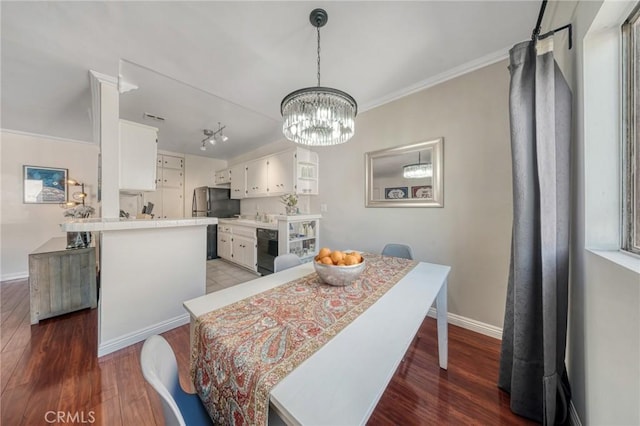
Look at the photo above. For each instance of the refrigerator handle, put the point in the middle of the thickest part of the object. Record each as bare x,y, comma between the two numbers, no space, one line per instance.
193,204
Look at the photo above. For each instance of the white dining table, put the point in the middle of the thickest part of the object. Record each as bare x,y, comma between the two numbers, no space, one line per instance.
342,382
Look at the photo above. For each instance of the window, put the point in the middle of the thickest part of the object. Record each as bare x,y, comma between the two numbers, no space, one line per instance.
631,142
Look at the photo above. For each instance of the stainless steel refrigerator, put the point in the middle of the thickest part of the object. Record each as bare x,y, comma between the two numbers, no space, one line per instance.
213,202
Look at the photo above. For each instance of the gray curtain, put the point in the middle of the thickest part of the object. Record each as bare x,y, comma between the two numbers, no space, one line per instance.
532,368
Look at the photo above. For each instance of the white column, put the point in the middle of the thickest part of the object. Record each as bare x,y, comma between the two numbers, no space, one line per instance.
105,113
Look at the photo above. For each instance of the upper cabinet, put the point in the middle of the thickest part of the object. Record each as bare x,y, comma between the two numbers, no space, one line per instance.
280,176
257,178
238,178
306,172
285,172
170,171
223,176
168,198
138,150
171,162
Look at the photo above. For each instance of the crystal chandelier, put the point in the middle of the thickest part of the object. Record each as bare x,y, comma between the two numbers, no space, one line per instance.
318,115
417,170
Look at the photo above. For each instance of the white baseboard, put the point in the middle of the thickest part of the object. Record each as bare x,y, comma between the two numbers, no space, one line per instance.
470,324
574,419
14,276
140,335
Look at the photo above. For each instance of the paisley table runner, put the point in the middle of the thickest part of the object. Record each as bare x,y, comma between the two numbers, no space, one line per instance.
244,349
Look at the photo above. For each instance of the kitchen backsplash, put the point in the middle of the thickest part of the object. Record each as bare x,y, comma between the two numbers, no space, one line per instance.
249,207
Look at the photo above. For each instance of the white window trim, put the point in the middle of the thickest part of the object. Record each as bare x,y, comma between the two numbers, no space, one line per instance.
602,127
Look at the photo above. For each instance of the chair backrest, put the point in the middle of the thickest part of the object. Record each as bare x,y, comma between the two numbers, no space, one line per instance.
398,250
285,261
160,369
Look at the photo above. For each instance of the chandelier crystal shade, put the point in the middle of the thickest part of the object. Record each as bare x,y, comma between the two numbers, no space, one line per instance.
318,115
417,170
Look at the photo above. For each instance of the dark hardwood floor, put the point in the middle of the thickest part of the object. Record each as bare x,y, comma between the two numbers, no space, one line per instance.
50,370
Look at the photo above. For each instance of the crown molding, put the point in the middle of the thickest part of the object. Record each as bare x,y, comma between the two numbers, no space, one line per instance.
465,68
41,136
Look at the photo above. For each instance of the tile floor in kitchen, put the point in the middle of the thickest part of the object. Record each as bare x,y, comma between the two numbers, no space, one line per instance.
222,274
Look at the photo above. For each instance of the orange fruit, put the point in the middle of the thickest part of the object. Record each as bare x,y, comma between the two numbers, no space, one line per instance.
350,260
337,256
326,260
324,251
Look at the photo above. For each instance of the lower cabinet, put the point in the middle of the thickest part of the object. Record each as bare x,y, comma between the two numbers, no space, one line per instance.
224,245
243,252
239,245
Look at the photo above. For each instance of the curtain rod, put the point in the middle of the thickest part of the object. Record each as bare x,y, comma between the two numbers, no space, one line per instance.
535,35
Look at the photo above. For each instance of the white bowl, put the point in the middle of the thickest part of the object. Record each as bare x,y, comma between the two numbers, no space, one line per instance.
339,275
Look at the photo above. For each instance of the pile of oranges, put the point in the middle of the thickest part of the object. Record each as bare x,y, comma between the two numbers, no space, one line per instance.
337,257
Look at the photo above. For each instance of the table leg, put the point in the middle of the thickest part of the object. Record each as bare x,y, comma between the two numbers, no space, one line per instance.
192,328
441,318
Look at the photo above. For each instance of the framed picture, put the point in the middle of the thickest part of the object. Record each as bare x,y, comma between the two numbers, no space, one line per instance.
45,185
396,193
422,191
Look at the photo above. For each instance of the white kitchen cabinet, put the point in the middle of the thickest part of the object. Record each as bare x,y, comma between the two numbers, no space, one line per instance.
257,178
172,203
280,173
306,172
138,150
239,245
168,198
277,174
171,162
172,178
244,251
299,235
223,176
238,178
224,244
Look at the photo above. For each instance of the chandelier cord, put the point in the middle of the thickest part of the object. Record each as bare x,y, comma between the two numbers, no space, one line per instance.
318,30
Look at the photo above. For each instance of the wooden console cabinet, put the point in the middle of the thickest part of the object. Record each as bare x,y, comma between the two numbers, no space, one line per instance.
61,280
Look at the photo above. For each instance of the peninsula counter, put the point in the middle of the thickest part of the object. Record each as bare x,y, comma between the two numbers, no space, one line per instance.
148,268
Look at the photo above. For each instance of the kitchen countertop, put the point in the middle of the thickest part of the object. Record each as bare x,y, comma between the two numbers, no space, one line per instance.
121,224
267,225
248,222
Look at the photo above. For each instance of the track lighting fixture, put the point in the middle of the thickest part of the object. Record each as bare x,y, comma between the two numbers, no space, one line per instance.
212,136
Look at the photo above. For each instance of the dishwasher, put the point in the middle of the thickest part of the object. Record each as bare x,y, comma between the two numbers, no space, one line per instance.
267,249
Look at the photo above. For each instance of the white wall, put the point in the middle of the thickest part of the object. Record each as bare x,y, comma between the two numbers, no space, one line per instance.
472,232
198,171
24,227
603,348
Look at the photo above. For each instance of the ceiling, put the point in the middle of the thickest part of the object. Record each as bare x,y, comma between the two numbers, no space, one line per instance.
200,63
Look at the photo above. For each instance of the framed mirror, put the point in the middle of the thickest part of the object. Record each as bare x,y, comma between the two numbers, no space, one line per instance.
405,176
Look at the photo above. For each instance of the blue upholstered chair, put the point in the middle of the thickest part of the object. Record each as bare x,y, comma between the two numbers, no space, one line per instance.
285,261
398,250
160,369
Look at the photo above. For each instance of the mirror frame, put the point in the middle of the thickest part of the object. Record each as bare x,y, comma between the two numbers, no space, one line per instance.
437,180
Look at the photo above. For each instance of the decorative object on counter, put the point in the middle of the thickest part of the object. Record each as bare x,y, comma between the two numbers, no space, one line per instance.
77,197
318,115
44,185
79,212
79,239
213,136
290,202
